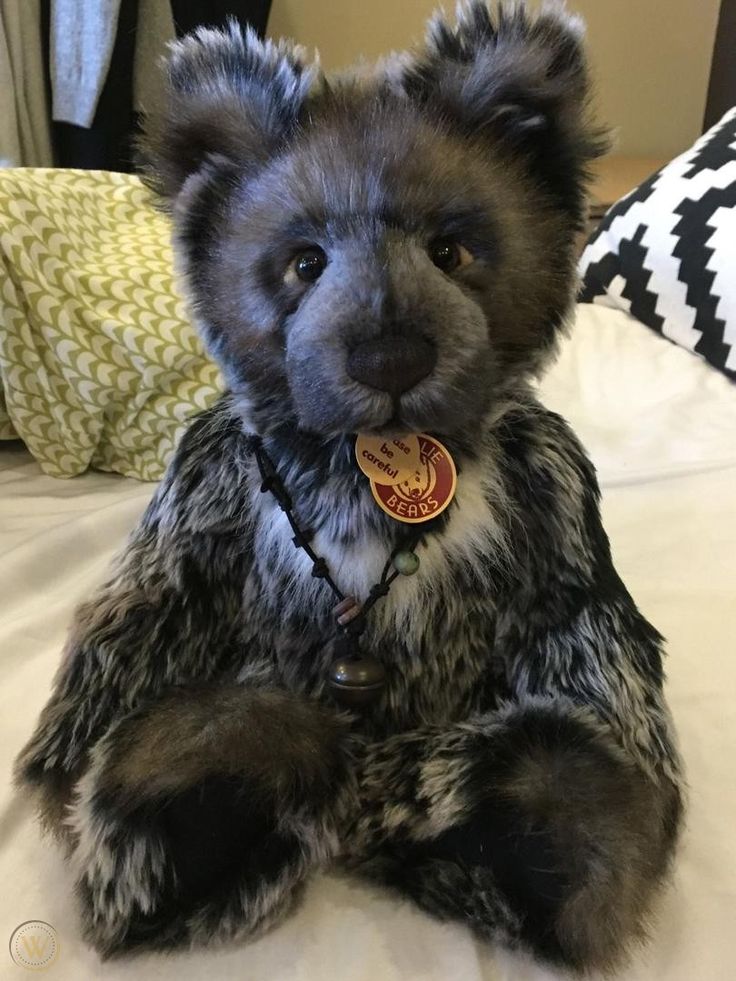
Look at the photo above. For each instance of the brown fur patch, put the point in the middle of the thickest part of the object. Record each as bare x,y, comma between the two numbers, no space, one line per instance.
282,745
614,829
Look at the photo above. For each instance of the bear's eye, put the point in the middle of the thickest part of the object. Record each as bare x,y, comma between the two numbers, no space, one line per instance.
448,255
308,265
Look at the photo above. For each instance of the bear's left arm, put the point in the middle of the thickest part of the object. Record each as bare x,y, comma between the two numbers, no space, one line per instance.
567,628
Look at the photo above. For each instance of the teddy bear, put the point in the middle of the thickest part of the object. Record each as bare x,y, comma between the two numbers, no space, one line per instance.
284,672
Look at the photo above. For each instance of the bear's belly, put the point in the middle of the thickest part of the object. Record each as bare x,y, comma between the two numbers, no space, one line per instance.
433,632
440,672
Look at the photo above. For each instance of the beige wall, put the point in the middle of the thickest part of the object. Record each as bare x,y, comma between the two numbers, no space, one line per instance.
651,58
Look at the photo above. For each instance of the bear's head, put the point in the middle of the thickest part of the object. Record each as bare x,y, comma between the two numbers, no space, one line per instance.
391,251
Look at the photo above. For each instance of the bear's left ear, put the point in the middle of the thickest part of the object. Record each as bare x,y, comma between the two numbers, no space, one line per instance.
519,79
227,94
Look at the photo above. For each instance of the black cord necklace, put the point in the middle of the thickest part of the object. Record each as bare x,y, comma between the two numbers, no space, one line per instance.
355,678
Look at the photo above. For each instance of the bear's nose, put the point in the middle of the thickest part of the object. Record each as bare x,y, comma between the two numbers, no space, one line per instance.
392,363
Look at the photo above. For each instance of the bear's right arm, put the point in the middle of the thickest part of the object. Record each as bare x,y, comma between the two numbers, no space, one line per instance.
168,615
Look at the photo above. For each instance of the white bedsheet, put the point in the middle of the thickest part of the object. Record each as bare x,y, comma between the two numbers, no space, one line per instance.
661,426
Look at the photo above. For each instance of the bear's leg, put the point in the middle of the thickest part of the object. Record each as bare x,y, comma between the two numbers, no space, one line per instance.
202,813
532,825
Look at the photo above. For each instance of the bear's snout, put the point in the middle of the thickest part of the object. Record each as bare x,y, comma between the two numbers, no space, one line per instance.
393,363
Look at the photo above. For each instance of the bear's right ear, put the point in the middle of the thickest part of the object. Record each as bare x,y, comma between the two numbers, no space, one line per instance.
227,94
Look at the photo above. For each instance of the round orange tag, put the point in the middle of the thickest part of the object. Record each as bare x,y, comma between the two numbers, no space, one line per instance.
391,461
427,492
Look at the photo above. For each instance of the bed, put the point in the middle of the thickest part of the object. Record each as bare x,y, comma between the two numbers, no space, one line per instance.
660,425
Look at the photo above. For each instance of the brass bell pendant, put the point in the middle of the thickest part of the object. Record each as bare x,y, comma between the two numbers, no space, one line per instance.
356,680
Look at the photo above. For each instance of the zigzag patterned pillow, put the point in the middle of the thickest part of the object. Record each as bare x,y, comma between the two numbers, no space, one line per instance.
667,252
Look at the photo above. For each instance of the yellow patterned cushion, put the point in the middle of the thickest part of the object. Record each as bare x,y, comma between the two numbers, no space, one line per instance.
99,364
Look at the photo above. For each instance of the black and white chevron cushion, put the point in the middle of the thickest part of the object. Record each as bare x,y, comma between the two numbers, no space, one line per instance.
667,251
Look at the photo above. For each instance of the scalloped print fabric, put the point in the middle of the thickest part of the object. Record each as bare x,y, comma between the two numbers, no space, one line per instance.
99,363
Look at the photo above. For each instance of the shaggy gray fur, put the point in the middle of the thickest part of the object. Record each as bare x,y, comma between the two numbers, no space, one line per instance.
518,771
